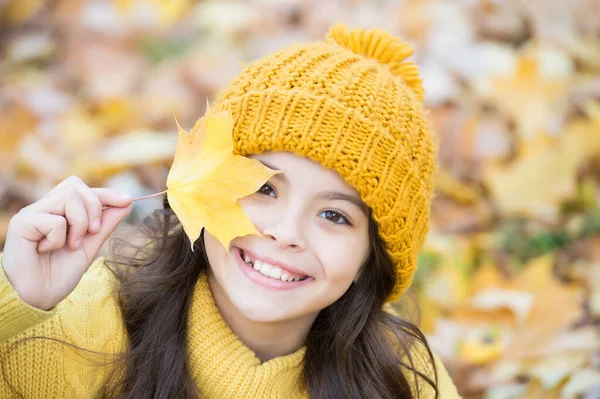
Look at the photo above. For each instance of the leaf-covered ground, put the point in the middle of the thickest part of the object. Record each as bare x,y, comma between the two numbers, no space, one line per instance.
509,280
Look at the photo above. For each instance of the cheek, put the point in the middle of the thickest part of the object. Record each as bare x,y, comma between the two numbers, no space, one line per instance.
341,258
215,251
256,211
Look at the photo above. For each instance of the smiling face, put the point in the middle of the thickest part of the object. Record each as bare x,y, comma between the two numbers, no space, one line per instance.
315,239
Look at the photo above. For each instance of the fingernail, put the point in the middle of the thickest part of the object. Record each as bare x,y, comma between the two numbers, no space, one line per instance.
78,243
125,197
96,224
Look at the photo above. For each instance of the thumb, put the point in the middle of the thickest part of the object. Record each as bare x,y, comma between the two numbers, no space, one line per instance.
108,223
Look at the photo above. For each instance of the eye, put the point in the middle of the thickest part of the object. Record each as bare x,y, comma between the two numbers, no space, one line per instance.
335,217
267,189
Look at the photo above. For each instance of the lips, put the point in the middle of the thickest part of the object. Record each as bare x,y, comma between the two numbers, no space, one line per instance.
267,281
264,259
271,270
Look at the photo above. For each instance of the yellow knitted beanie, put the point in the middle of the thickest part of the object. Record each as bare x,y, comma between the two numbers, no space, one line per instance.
354,104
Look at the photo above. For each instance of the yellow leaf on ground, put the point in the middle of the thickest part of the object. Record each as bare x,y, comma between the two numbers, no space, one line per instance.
488,276
117,114
552,370
556,306
519,302
79,132
16,122
530,98
166,11
541,307
581,383
482,345
545,174
122,152
207,179
16,12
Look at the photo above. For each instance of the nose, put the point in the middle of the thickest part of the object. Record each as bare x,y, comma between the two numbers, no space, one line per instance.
286,229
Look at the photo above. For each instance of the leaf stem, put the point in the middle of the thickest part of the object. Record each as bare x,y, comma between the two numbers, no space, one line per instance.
138,199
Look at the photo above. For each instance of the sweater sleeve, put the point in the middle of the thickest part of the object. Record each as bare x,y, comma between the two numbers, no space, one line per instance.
60,353
446,387
16,315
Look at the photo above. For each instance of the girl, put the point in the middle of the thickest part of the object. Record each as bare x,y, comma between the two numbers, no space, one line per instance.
301,311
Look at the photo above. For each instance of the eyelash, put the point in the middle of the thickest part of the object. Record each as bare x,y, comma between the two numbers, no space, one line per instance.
330,211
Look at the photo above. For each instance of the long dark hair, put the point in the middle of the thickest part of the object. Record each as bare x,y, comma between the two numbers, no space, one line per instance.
355,348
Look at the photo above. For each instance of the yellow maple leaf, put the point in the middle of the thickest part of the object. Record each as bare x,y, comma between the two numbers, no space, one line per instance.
207,178
530,98
555,306
16,12
166,11
545,173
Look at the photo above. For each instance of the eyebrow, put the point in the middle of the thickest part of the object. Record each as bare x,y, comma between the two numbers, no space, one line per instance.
337,196
326,195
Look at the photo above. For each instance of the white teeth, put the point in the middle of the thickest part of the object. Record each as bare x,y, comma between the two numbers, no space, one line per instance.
265,269
275,273
269,270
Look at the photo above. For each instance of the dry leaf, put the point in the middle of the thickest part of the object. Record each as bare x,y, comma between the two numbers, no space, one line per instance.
19,11
153,13
530,98
545,175
36,157
518,302
556,306
16,122
582,382
79,132
207,179
483,344
121,152
552,370
583,340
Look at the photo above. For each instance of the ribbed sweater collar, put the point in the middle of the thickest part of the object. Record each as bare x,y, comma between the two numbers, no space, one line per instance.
223,367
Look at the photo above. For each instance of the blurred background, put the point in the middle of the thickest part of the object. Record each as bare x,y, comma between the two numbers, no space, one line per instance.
509,280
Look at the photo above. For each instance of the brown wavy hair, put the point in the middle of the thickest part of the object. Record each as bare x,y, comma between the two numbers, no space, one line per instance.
355,348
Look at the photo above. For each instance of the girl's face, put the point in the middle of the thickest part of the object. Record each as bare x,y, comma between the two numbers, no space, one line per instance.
315,230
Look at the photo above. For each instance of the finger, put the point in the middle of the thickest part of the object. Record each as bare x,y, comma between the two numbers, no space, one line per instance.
66,203
112,197
53,202
110,219
35,227
91,202
92,199
69,181
95,198
77,219
50,231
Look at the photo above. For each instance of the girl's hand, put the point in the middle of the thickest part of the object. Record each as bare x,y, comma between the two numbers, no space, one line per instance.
52,242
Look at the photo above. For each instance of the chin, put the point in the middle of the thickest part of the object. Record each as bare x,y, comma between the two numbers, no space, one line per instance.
261,312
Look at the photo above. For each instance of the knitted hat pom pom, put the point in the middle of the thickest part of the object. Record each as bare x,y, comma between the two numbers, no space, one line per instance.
382,46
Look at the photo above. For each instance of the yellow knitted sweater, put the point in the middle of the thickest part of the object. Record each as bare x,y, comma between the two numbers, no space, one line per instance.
89,317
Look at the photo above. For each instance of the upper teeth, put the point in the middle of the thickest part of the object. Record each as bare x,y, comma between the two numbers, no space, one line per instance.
269,270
